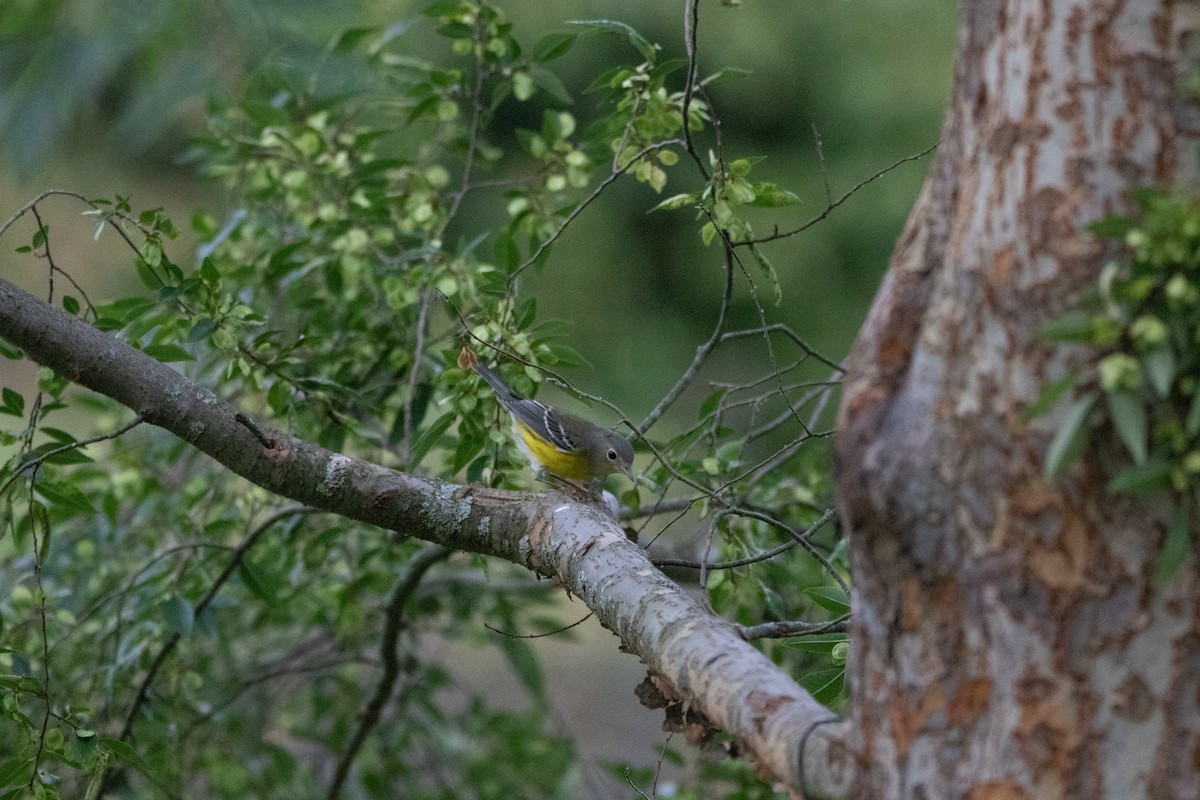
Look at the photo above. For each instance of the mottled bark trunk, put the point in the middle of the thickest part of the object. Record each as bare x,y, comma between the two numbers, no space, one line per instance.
1008,639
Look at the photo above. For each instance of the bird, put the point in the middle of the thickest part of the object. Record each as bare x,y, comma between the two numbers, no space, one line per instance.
557,444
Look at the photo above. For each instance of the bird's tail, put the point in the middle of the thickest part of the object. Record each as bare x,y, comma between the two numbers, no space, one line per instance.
468,360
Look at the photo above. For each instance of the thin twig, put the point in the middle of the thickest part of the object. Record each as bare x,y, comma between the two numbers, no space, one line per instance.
472,140
691,24
266,441
800,537
762,314
788,332
685,563
831,206
778,630
37,579
169,646
587,201
702,352
414,373
554,632
394,624
821,161
748,560
42,458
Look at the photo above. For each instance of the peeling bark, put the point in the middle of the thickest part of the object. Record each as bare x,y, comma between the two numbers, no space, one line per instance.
1008,640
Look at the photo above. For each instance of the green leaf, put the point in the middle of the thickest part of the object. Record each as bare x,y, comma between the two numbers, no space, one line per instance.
552,45
256,582
1050,394
524,663
726,74
212,276
1075,326
526,314
830,598
508,256
358,427
442,8
710,403
522,85
1193,417
475,469
468,448
620,29
201,330
1068,441
769,195
167,353
70,304
127,310
773,602
179,614
1129,418
768,270
825,685
822,643
429,437
64,495
1151,476
16,770
14,403
1175,546
10,351
73,456
551,84
130,756
351,38
675,201
1112,227
279,397
1159,366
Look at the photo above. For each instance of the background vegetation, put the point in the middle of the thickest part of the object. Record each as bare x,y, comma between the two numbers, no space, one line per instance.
280,146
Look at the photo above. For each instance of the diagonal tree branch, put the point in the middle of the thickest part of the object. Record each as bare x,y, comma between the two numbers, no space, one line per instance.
703,656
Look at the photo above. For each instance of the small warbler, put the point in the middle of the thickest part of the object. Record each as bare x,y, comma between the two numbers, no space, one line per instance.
557,443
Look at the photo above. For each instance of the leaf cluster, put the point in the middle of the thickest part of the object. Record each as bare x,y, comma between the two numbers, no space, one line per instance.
1143,319
185,615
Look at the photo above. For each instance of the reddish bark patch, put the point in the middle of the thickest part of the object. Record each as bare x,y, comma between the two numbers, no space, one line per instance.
908,720
1047,732
1135,699
762,703
970,701
997,790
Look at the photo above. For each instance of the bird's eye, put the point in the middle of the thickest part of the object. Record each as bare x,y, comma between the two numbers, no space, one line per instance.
612,455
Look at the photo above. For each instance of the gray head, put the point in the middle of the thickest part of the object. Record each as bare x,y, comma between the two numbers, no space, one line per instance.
614,455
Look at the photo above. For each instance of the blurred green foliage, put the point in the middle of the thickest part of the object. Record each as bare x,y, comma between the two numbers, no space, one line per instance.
1143,317
383,180
126,84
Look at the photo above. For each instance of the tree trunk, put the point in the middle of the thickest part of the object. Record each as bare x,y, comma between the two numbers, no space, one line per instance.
1009,641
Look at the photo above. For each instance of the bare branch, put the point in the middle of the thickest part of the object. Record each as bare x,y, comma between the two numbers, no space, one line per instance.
691,24
779,630
831,206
